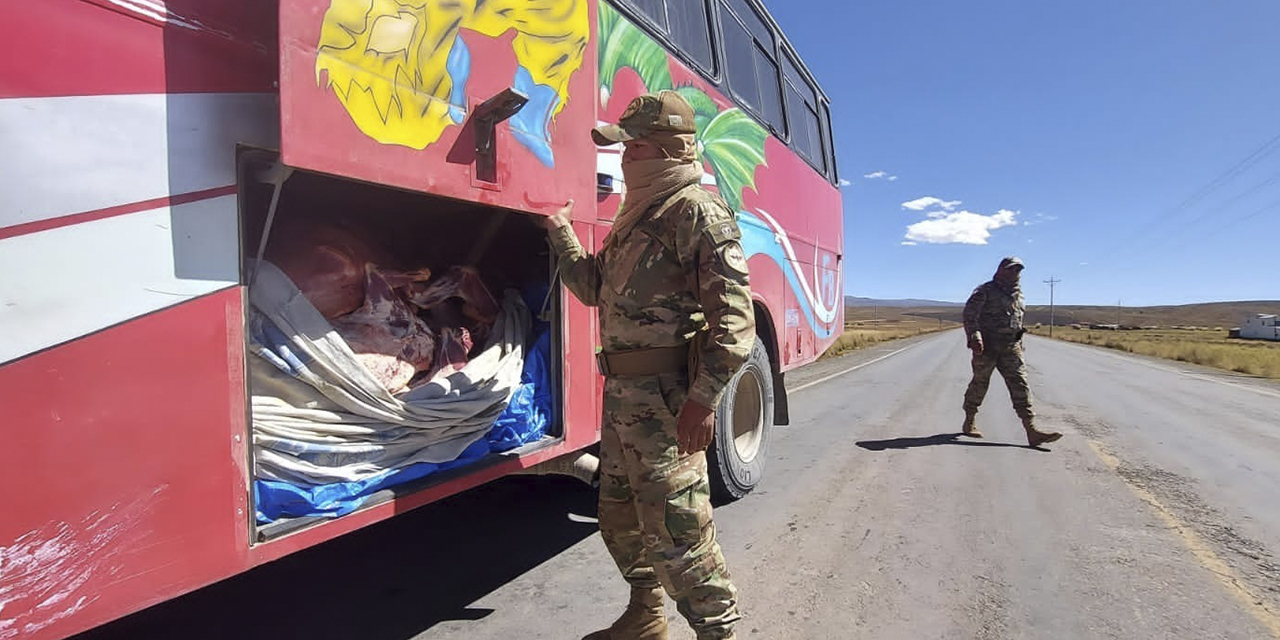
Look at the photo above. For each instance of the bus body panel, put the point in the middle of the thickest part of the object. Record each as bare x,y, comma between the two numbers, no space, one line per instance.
126,468
774,204
416,128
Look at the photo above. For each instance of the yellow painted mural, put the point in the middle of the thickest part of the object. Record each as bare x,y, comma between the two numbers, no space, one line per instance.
400,67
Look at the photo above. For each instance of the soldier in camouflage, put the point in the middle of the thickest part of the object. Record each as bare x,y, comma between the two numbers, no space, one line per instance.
993,326
676,324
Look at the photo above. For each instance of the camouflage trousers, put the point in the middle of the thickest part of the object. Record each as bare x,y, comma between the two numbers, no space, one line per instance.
655,503
1006,358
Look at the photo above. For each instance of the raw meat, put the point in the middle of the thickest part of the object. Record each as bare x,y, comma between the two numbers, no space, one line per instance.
451,353
465,284
386,334
376,309
326,262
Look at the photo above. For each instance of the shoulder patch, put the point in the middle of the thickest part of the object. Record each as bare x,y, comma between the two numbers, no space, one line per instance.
722,232
719,225
733,257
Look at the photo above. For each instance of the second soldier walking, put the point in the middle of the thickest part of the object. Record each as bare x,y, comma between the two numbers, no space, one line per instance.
993,327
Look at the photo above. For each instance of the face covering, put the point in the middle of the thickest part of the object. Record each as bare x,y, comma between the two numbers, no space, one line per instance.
651,182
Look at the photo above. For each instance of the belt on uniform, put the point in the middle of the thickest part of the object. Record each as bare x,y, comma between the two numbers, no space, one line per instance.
1006,335
644,362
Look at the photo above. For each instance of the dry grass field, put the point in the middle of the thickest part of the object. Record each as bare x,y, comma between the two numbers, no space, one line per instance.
865,326
1200,336
1209,314
1208,347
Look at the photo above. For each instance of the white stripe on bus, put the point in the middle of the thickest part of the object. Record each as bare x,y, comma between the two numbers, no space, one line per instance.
69,155
827,314
70,281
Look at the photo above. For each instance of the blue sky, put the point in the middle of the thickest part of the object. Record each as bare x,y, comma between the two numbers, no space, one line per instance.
1109,144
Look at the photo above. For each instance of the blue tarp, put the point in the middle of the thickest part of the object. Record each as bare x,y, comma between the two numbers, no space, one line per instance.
530,410
277,499
525,420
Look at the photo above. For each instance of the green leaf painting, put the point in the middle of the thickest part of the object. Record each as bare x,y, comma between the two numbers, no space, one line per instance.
623,45
704,108
733,144
730,141
608,19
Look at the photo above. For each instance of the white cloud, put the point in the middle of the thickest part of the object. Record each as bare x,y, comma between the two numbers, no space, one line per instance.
908,243
920,204
880,175
1084,264
1040,218
844,183
961,227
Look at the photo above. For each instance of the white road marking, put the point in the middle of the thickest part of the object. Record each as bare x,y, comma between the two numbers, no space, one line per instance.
850,369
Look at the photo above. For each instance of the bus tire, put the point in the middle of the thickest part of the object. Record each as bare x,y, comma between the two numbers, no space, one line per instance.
744,421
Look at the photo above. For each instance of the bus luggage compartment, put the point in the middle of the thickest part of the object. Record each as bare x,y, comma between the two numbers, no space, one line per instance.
394,340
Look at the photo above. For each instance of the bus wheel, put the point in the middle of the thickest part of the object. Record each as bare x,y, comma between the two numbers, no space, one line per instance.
743,423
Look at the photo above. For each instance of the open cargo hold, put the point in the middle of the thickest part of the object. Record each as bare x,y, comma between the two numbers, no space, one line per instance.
392,336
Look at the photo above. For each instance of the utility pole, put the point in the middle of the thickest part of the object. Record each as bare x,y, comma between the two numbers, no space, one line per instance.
1051,281
1118,313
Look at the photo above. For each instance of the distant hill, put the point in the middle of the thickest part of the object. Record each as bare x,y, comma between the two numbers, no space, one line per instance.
854,301
1208,314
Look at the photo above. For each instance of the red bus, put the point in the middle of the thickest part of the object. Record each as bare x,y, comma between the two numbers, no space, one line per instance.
173,165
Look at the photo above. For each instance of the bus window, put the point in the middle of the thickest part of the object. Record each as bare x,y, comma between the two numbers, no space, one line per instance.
684,25
802,117
752,22
739,48
691,32
752,72
654,10
770,94
831,144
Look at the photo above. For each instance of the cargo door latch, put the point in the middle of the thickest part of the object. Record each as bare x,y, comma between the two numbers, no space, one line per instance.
487,116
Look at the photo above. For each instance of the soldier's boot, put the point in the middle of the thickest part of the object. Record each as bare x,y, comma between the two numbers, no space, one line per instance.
970,429
1036,437
644,619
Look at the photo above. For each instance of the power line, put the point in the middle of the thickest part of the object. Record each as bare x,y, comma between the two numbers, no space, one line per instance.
1169,233
1269,147
1266,149
1270,207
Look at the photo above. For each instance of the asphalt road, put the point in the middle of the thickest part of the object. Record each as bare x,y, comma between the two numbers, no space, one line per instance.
1156,516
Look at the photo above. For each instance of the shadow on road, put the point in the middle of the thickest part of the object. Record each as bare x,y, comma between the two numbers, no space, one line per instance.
934,440
390,581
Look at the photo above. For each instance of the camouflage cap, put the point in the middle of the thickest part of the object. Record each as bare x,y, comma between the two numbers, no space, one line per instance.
1012,261
666,112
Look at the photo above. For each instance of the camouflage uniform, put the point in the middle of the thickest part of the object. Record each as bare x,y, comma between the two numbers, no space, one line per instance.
677,277
994,312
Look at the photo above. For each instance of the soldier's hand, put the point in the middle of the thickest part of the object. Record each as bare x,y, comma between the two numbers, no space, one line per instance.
560,218
976,345
695,427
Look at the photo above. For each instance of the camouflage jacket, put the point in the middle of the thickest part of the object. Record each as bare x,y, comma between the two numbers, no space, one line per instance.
994,312
679,274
